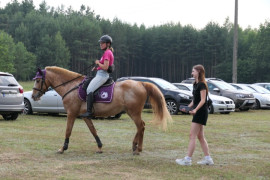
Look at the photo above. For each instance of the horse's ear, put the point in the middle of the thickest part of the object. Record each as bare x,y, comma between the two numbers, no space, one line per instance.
40,72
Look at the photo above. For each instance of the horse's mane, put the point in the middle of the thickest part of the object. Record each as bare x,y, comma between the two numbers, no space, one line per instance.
66,73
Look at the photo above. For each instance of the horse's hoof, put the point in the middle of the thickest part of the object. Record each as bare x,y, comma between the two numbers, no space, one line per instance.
60,151
99,152
136,153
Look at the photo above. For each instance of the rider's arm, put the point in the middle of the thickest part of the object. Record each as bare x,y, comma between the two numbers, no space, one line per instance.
104,66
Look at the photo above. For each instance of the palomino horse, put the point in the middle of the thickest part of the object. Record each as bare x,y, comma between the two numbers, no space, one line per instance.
128,96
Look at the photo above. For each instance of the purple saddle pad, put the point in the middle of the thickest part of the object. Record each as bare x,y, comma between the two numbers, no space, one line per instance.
103,94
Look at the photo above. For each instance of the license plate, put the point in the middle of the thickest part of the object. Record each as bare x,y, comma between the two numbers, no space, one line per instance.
229,106
251,101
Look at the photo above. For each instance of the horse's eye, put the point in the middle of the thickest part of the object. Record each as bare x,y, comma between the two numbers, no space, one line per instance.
37,80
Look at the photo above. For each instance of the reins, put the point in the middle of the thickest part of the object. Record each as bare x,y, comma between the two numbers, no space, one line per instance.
40,91
75,77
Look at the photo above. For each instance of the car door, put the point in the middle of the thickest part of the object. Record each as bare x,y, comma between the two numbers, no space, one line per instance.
49,102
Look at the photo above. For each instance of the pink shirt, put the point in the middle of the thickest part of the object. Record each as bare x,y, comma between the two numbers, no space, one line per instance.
108,55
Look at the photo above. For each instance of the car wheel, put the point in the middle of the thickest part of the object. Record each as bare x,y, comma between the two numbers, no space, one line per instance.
172,107
27,107
211,109
12,116
243,109
257,105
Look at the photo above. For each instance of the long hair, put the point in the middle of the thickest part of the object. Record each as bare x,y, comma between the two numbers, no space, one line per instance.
201,77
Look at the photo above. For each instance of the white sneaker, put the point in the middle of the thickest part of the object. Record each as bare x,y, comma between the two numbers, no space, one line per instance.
206,161
184,162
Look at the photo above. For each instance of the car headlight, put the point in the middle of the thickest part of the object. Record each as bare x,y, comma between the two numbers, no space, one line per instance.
240,95
184,96
218,102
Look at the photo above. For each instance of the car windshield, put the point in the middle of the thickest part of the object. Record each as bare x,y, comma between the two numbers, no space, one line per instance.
8,81
260,89
223,85
247,88
164,84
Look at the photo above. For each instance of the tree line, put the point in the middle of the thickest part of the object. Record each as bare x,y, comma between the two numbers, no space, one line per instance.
38,37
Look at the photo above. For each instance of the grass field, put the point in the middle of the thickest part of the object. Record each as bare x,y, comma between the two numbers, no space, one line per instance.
239,144
27,85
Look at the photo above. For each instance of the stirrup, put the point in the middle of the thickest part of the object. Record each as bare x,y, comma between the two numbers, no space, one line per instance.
87,115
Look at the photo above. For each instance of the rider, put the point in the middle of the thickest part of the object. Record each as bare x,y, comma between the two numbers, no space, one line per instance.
102,75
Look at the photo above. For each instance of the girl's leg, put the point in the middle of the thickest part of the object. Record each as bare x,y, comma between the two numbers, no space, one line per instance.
203,142
194,131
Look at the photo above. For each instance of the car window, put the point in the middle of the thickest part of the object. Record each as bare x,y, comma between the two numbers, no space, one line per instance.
164,84
211,86
267,87
8,81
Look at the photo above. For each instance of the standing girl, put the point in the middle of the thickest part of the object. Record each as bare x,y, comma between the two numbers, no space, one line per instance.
200,115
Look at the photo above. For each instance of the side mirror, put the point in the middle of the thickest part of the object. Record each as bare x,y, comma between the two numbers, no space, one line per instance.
216,90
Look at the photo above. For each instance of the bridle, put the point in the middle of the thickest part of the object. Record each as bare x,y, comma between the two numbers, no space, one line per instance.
41,91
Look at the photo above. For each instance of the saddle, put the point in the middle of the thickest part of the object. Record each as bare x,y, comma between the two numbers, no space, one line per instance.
103,94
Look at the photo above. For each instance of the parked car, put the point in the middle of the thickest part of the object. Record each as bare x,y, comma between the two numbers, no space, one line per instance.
51,102
265,85
11,97
262,96
220,104
173,96
243,100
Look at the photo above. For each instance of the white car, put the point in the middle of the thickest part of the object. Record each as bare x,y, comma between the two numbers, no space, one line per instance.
261,94
220,104
51,102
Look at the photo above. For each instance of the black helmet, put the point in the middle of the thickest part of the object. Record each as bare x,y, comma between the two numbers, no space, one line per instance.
105,39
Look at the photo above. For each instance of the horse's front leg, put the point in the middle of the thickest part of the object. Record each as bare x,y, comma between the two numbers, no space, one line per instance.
94,133
70,123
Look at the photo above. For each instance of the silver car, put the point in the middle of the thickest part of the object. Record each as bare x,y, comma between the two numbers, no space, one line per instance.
51,102
220,104
265,85
11,97
261,94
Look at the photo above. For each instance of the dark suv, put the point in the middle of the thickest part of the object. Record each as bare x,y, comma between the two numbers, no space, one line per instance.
243,100
173,96
11,97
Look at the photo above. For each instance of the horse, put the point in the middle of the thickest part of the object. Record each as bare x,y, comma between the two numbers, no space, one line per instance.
129,96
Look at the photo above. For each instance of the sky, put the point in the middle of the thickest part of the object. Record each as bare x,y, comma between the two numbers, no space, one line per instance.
251,13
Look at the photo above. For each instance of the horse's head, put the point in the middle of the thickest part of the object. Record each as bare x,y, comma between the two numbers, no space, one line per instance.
40,86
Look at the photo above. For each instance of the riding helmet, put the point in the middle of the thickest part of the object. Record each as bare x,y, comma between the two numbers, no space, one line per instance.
105,39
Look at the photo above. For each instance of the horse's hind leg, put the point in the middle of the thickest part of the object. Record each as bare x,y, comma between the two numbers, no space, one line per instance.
138,139
70,123
94,132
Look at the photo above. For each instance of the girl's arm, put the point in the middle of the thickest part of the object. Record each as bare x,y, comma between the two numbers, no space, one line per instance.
203,96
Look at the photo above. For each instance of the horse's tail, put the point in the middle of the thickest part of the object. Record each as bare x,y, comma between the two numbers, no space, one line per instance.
156,98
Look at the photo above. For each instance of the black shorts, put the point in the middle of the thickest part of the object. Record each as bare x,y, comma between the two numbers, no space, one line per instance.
201,116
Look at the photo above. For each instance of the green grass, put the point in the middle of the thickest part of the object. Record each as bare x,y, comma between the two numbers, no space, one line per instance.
27,85
239,144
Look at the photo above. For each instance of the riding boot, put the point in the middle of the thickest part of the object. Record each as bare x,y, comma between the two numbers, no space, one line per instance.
89,100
